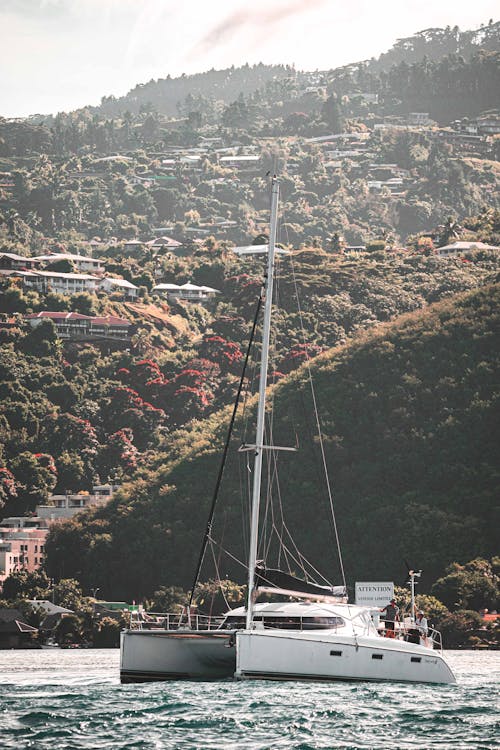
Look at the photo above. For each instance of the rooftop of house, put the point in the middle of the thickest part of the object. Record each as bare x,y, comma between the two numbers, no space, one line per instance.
164,242
108,320
120,282
22,258
59,275
54,257
465,246
49,607
188,287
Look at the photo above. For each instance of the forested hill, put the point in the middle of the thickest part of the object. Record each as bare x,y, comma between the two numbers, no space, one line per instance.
171,96
166,94
436,43
410,423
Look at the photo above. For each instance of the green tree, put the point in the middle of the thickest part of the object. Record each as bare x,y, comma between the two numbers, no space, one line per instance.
70,629
26,585
36,477
68,593
474,585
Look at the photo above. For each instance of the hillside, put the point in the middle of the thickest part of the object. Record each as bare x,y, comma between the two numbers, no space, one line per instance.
410,419
171,96
95,411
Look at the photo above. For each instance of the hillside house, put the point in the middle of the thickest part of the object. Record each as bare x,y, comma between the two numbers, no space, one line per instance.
241,161
61,283
459,248
81,262
71,325
489,124
163,244
127,289
187,292
71,503
10,262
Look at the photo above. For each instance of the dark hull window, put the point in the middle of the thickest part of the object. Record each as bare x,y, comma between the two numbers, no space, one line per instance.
287,623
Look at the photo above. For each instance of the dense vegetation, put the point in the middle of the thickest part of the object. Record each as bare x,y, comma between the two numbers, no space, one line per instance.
409,418
74,414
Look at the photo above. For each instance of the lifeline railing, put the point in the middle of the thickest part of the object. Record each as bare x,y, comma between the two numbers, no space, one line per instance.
409,630
172,621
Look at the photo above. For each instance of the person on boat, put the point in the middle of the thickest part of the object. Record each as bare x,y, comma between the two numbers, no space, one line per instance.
421,622
391,613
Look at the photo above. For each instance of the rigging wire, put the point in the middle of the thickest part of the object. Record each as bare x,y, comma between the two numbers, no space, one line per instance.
320,434
224,456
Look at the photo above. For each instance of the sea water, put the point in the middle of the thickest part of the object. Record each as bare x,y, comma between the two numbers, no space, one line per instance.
66,700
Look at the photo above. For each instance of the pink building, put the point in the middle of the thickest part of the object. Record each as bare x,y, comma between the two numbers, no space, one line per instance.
21,547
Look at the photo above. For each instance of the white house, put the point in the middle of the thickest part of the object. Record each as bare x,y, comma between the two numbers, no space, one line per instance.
189,292
62,283
110,285
457,248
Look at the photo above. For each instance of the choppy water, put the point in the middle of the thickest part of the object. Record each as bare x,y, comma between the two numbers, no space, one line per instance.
72,700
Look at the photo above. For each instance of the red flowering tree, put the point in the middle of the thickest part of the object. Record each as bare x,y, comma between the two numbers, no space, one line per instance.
189,403
127,409
118,456
225,353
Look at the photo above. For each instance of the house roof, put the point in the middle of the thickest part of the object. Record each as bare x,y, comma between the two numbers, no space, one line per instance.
20,274
57,315
468,246
164,242
120,282
16,626
241,158
54,275
54,257
188,287
23,258
49,607
109,320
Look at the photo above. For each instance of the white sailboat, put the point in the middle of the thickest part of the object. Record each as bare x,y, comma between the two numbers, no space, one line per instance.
316,636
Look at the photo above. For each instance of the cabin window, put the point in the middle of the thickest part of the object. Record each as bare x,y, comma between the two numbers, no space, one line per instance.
377,656
416,659
287,623
335,653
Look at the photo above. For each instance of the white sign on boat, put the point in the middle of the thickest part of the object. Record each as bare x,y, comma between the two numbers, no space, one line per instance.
374,593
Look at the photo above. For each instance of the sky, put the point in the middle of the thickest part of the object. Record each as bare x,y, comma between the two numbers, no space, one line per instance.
59,55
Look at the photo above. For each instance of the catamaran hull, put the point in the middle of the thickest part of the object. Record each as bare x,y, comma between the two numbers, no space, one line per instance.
151,655
279,656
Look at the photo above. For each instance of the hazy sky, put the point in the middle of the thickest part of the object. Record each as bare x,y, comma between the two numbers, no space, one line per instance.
62,54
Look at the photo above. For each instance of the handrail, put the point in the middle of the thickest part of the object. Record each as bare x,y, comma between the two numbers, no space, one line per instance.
431,639
172,621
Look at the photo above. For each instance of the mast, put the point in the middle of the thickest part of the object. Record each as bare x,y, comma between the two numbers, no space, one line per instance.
259,439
